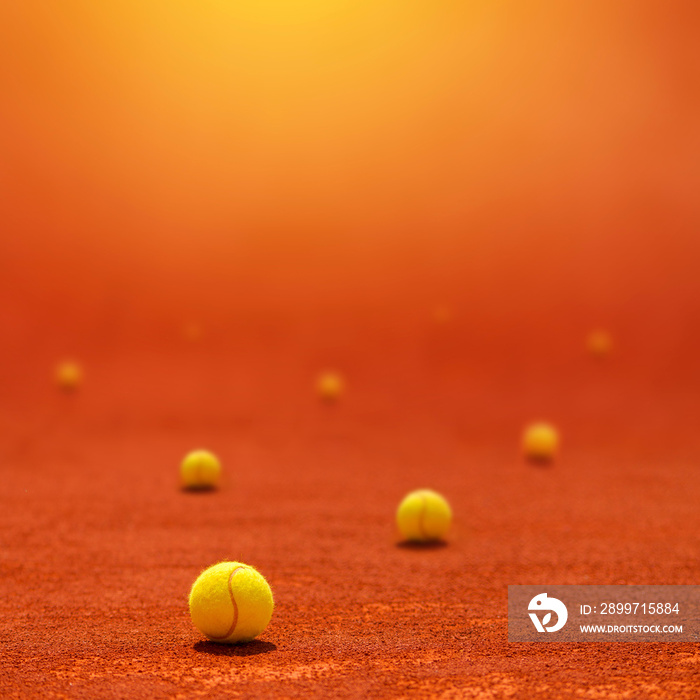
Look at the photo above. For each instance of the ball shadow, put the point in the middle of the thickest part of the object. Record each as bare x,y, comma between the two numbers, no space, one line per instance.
540,462
245,649
422,546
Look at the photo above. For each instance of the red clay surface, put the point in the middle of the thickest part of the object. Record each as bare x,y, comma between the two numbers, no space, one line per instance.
100,547
309,187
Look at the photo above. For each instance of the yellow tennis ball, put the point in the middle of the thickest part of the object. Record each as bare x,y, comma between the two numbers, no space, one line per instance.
69,376
330,386
231,602
540,442
200,470
424,516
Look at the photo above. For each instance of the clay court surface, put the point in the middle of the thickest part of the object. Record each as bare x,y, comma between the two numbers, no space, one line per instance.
100,547
309,181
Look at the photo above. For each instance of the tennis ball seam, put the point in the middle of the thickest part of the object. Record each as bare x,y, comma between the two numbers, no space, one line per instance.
421,516
231,629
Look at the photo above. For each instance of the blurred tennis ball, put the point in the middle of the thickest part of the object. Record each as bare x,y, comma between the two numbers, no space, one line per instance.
192,332
423,516
442,314
540,442
200,470
330,386
68,376
599,344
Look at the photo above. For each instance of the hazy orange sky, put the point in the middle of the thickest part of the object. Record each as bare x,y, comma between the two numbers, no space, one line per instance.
210,153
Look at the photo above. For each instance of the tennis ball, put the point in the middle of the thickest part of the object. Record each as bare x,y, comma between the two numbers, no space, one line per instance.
599,344
540,442
231,602
330,386
200,470
68,376
423,516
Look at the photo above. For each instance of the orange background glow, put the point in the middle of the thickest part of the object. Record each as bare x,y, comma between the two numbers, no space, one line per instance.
526,159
